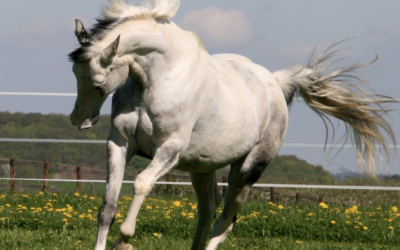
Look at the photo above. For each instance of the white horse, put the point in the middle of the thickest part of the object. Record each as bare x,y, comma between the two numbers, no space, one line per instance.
185,109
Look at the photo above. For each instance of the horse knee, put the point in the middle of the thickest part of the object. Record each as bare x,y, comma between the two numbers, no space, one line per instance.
143,184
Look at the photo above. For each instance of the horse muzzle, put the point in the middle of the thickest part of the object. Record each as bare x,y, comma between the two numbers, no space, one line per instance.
85,124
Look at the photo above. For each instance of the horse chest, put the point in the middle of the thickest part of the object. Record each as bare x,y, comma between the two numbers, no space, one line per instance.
151,130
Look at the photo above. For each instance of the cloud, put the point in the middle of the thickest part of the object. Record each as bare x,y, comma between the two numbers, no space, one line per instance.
219,28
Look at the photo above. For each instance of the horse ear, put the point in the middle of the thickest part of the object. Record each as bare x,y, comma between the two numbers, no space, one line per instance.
80,32
110,51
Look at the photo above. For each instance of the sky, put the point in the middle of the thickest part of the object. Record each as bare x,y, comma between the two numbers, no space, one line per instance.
36,36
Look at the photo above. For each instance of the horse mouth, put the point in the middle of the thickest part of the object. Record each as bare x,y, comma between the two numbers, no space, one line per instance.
86,124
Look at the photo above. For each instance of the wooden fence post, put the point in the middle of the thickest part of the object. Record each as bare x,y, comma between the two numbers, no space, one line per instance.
224,180
12,174
168,179
272,194
78,177
320,198
297,197
46,175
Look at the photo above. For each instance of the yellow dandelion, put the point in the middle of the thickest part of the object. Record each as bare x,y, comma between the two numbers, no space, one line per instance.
365,227
391,228
280,206
394,209
323,205
156,234
77,194
177,203
333,222
278,240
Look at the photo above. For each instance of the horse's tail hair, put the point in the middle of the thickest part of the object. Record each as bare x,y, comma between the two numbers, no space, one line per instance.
335,91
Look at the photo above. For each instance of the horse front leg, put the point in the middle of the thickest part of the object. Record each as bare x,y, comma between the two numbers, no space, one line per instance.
116,162
165,158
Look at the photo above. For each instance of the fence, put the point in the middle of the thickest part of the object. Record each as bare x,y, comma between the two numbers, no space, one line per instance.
268,188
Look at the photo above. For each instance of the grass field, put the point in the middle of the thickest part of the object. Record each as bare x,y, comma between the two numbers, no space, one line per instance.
69,221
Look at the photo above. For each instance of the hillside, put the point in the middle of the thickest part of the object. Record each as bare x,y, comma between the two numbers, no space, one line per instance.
284,169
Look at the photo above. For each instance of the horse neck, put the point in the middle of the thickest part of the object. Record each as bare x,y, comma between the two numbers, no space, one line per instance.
165,58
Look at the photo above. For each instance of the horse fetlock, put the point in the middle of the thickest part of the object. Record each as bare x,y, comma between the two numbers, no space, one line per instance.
126,231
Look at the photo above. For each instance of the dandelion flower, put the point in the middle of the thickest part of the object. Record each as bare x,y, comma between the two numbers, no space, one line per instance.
323,205
394,209
391,228
333,222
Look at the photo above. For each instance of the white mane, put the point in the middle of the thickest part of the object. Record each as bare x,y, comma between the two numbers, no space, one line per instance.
157,9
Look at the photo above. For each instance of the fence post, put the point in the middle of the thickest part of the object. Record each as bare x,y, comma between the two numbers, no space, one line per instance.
12,174
320,198
297,197
46,175
272,194
78,177
224,180
168,179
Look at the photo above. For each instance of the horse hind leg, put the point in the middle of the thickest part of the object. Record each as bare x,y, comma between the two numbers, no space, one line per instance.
242,176
208,200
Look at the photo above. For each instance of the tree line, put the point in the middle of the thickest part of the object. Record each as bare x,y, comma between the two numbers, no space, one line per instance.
284,168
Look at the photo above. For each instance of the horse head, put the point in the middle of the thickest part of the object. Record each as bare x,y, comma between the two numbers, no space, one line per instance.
99,71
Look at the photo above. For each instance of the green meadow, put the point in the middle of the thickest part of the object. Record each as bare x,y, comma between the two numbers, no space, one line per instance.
38,220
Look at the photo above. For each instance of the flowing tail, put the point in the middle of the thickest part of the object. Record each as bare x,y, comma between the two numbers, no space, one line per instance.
334,91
